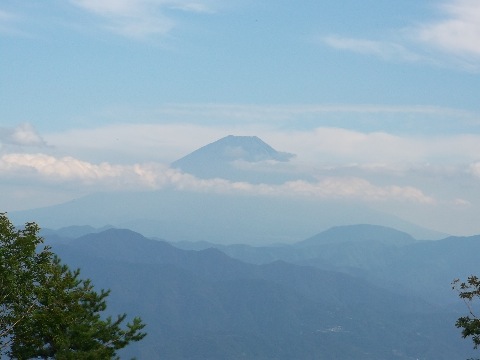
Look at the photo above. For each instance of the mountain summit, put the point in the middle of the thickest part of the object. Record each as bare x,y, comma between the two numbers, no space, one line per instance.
232,148
224,157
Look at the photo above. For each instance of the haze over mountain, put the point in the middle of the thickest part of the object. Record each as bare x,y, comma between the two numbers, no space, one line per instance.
233,214
358,233
319,256
206,305
229,149
383,111
236,158
381,255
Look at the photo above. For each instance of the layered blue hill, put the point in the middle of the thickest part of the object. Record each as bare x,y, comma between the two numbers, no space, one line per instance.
206,305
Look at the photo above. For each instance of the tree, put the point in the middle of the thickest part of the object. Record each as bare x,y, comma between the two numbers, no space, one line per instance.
22,268
58,315
470,324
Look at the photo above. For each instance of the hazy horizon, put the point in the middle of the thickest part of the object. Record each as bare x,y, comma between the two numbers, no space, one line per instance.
378,102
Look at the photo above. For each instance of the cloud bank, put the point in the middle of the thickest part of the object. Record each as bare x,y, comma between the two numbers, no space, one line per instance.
103,176
409,174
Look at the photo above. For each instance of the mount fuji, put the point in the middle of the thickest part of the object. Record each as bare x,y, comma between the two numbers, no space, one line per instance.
177,214
236,158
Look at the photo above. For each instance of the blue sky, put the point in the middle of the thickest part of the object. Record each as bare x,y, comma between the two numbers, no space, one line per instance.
378,98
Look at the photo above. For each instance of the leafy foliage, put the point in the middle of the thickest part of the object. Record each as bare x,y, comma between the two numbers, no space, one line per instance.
470,324
22,269
47,311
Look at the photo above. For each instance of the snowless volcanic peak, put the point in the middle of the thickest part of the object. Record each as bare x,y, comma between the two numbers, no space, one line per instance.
233,148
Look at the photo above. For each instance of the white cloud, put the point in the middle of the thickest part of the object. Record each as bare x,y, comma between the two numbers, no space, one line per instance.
364,166
22,135
356,188
140,18
458,32
336,146
475,169
58,169
106,176
135,142
451,41
258,118
173,130
322,146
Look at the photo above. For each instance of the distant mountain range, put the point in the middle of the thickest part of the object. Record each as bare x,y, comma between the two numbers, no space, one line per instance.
321,282
381,255
203,304
178,215
219,218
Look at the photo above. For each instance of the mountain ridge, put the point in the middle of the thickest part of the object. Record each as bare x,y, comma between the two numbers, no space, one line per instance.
204,304
359,233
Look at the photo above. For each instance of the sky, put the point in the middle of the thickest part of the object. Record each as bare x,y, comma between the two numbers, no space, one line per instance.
379,100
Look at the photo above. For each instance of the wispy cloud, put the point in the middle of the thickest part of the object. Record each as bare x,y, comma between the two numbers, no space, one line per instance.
6,17
255,113
369,117
322,145
356,188
458,32
22,135
385,50
451,41
140,18
8,23
337,146
475,169
135,142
